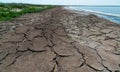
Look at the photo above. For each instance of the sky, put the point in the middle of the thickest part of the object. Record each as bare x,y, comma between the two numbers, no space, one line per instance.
66,2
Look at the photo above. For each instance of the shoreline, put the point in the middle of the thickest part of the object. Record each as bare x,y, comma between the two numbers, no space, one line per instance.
98,13
59,40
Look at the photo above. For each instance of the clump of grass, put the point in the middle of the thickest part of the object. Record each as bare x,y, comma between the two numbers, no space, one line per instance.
10,11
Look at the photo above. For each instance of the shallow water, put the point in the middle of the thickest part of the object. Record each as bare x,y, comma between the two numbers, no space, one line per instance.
109,12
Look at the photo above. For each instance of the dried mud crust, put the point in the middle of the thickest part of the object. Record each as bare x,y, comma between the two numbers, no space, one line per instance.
59,40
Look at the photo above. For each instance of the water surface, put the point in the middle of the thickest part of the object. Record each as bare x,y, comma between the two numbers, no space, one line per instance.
111,13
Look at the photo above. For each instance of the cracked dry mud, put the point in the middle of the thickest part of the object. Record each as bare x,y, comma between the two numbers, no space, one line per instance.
59,40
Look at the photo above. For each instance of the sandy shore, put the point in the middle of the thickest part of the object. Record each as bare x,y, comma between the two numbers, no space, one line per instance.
59,40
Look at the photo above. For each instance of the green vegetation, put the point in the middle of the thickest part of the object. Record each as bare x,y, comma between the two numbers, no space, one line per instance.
13,10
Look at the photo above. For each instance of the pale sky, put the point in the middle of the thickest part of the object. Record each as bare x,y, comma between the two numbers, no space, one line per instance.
66,2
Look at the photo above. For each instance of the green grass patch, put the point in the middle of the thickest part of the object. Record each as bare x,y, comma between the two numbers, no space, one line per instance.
10,11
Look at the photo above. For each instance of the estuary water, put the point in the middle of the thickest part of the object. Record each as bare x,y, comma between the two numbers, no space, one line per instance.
111,13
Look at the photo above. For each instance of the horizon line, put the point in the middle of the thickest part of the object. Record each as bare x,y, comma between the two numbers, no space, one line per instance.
56,4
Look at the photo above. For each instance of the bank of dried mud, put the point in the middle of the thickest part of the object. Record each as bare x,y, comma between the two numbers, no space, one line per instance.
59,40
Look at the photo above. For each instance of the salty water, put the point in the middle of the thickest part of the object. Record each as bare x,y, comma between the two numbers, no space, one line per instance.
109,12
